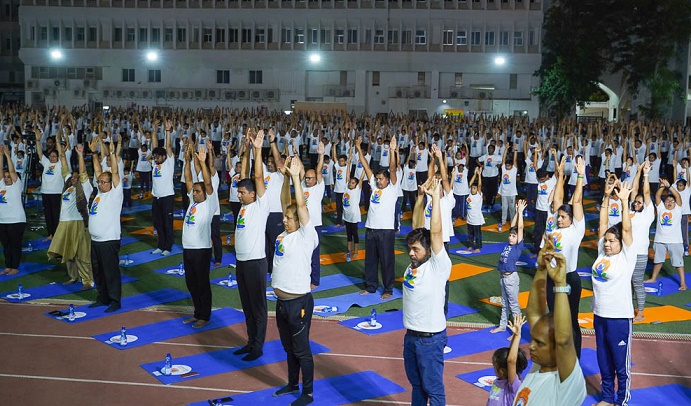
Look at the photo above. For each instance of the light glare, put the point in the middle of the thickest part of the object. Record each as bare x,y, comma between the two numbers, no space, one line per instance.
151,56
56,54
499,60
314,58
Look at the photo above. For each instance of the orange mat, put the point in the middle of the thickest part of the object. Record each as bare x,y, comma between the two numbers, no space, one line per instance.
460,271
589,244
126,218
459,222
663,314
340,257
523,298
177,225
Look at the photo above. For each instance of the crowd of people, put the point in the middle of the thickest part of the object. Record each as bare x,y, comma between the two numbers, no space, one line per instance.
386,165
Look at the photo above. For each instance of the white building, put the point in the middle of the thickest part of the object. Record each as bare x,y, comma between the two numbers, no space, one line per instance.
375,56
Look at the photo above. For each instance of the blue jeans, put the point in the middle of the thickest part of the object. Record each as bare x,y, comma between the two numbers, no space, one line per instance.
423,358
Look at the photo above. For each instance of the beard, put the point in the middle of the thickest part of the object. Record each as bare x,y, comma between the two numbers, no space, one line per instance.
415,263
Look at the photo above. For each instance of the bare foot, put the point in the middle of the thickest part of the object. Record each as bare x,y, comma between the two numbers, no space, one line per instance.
603,403
12,272
69,282
364,292
497,330
87,286
49,238
385,296
4,271
639,317
217,264
682,287
649,281
477,251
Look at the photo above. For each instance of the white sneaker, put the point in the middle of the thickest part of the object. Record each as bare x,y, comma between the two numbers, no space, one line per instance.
156,251
165,253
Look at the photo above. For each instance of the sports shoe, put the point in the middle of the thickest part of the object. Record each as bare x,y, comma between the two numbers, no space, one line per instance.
287,390
597,207
156,251
165,253
499,229
686,253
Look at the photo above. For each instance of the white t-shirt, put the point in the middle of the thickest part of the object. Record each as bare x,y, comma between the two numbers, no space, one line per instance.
423,294
508,181
421,158
447,203
654,175
51,180
293,259
104,214
351,205
68,204
543,191
327,173
474,206
249,230
668,229
233,189
490,166
127,181
640,227
196,227
546,388
612,282
162,178
460,181
531,171
685,196
613,212
340,177
142,163
568,240
11,206
629,173
273,183
382,206
313,200
409,180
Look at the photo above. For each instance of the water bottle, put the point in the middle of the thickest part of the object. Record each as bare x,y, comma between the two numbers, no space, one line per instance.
373,318
168,367
230,279
70,315
228,240
127,259
123,336
659,288
181,268
19,292
30,248
155,232
348,256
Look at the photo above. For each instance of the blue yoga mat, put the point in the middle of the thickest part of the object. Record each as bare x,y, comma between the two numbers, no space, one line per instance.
392,321
673,394
39,245
143,300
26,268
526,261
481,341
327,282
178,214
486,249
145,256
169,329
344,302
50,290
136,208
337,390
670,284
219,362
223,281
591,216
174,270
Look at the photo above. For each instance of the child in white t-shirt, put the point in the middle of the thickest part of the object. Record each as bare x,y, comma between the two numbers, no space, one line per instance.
352,215
475,218
509,363
127,178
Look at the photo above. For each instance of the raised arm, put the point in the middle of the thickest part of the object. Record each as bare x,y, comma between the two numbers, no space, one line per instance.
169,145
115,175
320,163
537,299
515,327
624,195
517,220
563,332
294,171
188,154
418,220
4,153
201,158
604,208
673,191
361,157
286,199
393,161
257,142
645,168
435,230
577,198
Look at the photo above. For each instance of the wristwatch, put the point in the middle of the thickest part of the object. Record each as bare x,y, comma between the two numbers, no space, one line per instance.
562,289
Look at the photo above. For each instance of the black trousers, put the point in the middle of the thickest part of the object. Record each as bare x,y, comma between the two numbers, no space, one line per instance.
235,208
105,264
475,237
144,181
294,318
409,196
490,187
339,208
421,177
366,194
11,240
574,280
379,252
315,275
197,267
216,237
162,214
351,232
126,197
51,209
185,197
274,227
251,277
539,229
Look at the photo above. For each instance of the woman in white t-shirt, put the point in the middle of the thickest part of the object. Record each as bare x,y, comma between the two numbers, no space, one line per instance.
196,238
51,184
12,215
235,175
612,299
351,214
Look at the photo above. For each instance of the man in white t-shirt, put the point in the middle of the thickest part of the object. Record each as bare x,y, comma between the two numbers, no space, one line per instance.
556,377
273,182
163,169
380,235
251,253
313,189
423,307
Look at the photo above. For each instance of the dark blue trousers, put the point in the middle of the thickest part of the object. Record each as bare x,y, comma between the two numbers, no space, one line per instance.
613,339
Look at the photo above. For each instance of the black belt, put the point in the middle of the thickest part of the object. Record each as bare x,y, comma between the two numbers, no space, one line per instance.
421,333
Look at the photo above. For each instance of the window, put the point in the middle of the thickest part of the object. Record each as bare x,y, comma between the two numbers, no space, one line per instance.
223,76
93,34
156,35
339,36
532,40
32,33
233,37
392,37
343,78
44,33
513,81
504,38
378,36
195,35
475,38
168,35
255,77
518,38
458,79
68,34
448,37
130,35
80,33
299,35
368,36
143,35
286,36
117,34
182,35
314,36
128,75
352,36
375,78
461,38
406,37
260,35
326,36
246,35
154,75
220,35
421,78
208,35
489,38
420,37
55,34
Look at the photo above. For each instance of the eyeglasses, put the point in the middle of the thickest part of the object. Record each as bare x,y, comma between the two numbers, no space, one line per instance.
310,177
103,182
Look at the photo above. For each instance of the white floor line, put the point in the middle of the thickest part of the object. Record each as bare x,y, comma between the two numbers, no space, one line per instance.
661,375
100,381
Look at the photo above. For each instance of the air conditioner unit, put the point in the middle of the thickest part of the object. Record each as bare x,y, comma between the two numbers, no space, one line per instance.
346,93
160,94
399,93
173,95
417,93
270,94
106,94
212,94
198,94
145,94
57,83
482,95
185,95
78,93
46,92
256,94
231,95
490,95
242,95
119,94
132,94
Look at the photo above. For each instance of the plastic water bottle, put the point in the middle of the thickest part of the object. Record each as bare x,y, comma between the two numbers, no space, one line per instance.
127,259
373,318
329,309
31,247
168,367
659,288
230,279
181,268
123,336
19,292
348,256
228,240
70,315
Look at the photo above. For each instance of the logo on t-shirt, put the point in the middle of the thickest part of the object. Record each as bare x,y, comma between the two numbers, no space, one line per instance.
506,179
157,171
419,156
279,246
522,397
125,182
143,158
666,219
409,278
468,203
411,176
266,181
376,197
241,219
189,218
543,189
19,165
66,195
50,170
325,170
549,227
339,174
94,207
556,237
531,168
234,182
681,175
488,162
614,210
3,199
459,178
600,270
307,196
428,210
346,200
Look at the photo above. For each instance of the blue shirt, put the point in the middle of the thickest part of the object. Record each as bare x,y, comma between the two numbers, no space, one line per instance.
509,256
